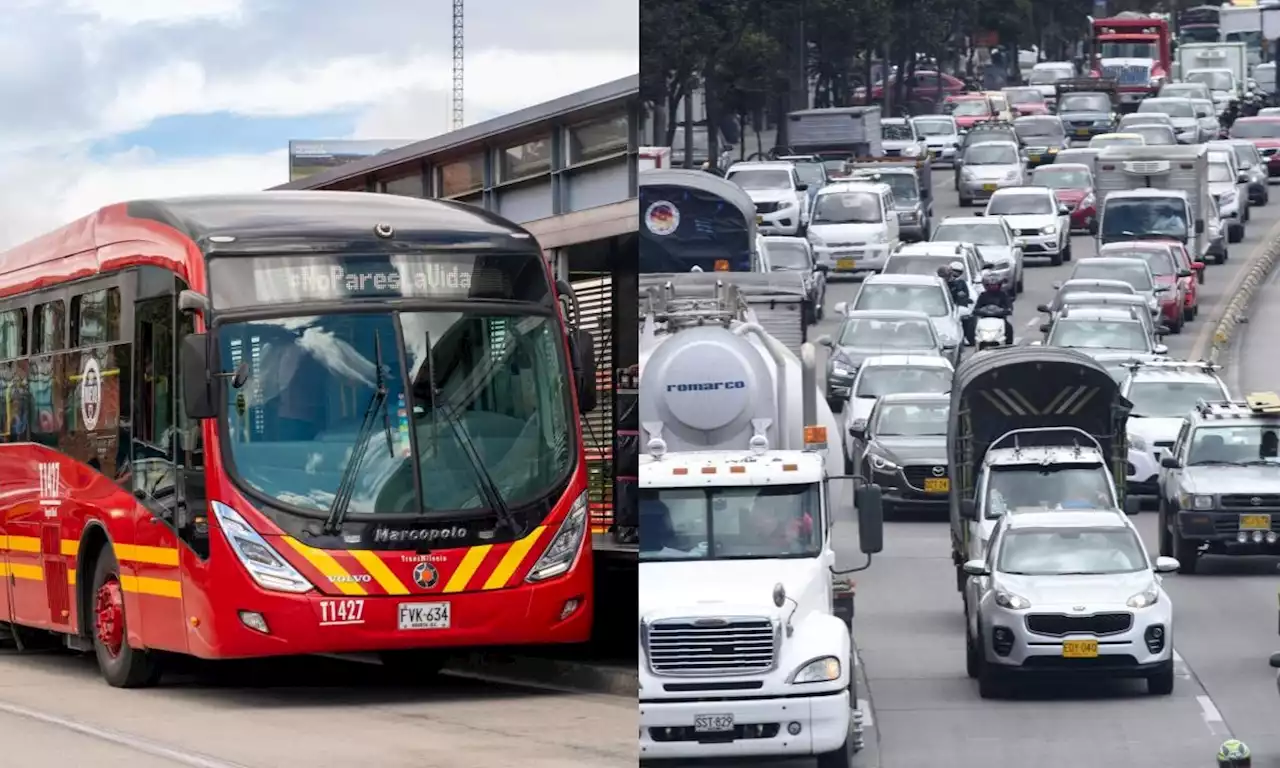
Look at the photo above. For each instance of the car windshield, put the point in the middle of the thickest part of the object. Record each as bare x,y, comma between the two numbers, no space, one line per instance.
1128,50
1015,204
1217,81
1024,96
1149,118
1170,107
1071,551
1249,444
969,108
1116,140
1221,172
896,132
1061,178
1042,130
1133,274
1085,286
912,420
929,299
978,233
1084,102
1245,155
813,174
493,394
1014,488
881,380
1203,109
904,185
1250,37
1144,218
730,522
991,154
1170,399
1256,129
761,178
1124,335
933,126
1183,91
847,208
890,334
1158,258
1155,135
1048,76
784,256
917,263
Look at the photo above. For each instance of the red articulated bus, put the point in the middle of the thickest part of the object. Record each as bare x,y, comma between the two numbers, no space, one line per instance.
291,423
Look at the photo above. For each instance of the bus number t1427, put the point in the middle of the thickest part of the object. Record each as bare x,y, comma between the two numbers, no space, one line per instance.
341,612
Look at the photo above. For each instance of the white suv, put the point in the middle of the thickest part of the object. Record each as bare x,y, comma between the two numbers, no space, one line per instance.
781,198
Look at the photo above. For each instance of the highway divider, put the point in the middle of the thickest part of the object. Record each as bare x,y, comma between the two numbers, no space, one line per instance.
1235,307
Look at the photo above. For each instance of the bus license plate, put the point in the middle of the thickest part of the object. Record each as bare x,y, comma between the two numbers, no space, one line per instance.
1255,522
937,485
1080,649
425,616
846,263
712,723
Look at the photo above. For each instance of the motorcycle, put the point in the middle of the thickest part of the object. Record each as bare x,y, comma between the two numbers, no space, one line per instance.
990,330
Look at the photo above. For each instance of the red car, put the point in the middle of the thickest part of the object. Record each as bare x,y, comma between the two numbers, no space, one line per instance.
968,108
1072,184
1174,276
924,85
1026,101
1264,132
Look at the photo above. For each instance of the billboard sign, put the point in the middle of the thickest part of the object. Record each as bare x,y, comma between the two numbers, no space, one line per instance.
310,157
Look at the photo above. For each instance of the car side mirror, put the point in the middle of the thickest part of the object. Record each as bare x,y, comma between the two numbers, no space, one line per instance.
1132,505
976,568
802,187
979,213
1093,228
1057,286
1044,308
1163,330
1275,661
857,434
1160,349
988,265
1184,273
825,341
1169,462
1046,327
841,307
1063,210
968,509
1243,178
868,500
197,384
1168,565
925,193
823,268
1199,226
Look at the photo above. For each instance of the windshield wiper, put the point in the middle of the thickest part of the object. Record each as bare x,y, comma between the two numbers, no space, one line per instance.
347,484
488,488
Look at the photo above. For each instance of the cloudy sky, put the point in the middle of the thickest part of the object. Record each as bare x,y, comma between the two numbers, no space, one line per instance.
108,100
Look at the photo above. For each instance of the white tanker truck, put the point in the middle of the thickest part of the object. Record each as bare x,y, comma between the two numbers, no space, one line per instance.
743,649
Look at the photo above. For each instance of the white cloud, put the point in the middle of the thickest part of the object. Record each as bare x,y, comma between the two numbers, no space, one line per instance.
130,12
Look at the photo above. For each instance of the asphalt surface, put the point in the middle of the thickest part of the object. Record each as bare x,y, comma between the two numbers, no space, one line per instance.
909,622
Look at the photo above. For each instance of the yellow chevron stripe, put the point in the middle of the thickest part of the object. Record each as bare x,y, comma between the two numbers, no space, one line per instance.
71,576
136,553
467,568
325,563
22,571
70,547
146,585
379,571
511,561
29,544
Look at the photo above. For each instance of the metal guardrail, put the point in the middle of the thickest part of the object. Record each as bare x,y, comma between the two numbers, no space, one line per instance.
1236,310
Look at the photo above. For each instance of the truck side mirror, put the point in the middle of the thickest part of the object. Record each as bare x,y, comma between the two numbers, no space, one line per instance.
583,349
197,384
1199,226
823,268
1044,308
1169,462
968,509
1045,327
802,187
869,501
1132,505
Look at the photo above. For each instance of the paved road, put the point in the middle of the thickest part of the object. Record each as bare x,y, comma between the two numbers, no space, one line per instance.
319,713
910,627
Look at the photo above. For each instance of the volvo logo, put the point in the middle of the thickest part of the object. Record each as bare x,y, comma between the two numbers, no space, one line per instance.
425,575
1255,501
939,471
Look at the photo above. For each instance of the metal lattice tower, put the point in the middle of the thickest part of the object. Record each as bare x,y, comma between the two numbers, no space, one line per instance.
457,64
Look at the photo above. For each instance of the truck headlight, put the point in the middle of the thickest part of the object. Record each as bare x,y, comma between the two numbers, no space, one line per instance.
1144,599
822,670
265,565
1011,601
562,552
1196,501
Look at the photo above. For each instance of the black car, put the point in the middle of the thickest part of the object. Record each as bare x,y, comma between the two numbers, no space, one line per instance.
1086,114
1042,137
903,448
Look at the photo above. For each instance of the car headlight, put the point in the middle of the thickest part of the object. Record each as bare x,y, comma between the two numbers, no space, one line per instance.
822,670
265,565
786,205
1011,601
1087,201
1052,229
878,239
966,172
1144,599
563,550
1137,442
841,369
878,463
815,239
911,151
1012,176
908,215
1196,501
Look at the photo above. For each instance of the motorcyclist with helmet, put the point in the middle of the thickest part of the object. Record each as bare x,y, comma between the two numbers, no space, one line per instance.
994,295
953,275
1234,754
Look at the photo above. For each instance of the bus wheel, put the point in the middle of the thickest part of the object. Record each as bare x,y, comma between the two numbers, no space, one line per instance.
414,666
121,665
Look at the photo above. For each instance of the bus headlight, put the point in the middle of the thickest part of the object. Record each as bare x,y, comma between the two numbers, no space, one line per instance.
264,564
563,549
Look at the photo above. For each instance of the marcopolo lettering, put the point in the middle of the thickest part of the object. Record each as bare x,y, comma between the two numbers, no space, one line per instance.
707,386
385,535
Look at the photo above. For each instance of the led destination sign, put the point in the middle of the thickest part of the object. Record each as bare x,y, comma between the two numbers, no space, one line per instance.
259,281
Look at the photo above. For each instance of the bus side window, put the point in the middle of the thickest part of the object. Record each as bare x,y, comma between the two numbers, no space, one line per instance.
50,323
95,318
44,374
154,475
13,375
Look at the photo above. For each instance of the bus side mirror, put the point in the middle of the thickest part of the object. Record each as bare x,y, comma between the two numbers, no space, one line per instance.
583,349
1132,505
197,384
870,505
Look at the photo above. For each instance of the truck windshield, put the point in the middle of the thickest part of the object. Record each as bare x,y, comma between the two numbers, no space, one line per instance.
1170,399
1246,444
904,185
881,380
762,179
934,126
1145,218
813,174
1155,135
1024,95
1100,334
1198,35
912,420
1128,50
848,208
1217,81
1084,102
896,132
1014,488
495,393
929,299
730,522
1071,551
1267,128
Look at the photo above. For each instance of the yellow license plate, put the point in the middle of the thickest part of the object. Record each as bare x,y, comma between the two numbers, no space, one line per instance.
988,187
1255,522
759,220
1033,158
937,485
846,263
1082,131
1080,649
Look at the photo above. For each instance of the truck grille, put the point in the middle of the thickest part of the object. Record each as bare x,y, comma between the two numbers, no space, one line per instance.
1247,500
1129,74
1060,624
766,207
916,475
711,646
893,153
1027,233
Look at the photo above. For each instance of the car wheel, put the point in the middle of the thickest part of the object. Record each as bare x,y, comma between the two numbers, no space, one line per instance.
972,655
1163,537
1020,288
991,684
1160,682
966,202
1066,252
1186,551
1188,314
1056,259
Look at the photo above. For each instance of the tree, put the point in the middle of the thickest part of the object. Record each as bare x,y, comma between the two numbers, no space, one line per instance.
673,40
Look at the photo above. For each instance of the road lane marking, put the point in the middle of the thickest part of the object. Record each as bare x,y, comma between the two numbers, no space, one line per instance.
1212,717
1180,667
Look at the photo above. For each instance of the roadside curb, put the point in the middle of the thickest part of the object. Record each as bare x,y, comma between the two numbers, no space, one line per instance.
1236,309
575,675
869,755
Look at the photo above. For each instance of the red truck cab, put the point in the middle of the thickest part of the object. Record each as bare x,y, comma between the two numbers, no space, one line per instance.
1132,49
